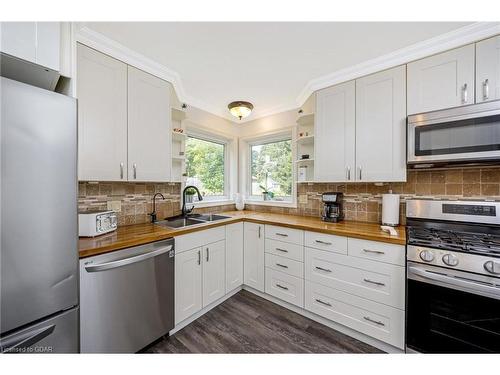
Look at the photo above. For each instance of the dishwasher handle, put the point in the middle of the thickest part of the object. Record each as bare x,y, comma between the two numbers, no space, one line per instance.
126,261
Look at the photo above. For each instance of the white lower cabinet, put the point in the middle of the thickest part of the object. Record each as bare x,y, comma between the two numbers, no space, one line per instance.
253,249
188,284
214,275
285,287
380,321
234,256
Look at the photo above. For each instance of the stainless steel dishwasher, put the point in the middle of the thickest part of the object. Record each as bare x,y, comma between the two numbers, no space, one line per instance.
127,298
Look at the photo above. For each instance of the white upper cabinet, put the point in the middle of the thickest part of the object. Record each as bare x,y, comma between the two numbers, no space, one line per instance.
102,116
36,42
254,260
335,130
441,81
488,70
149,127
214,275
381,126
234,256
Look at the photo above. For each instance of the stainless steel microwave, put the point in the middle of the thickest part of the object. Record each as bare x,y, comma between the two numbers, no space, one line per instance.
468,134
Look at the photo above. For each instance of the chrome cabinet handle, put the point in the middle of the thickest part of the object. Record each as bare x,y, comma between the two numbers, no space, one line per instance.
282,250
123,262
348,173
199,257
281,265
373,282
360,173
282,234
281,287
135,171
464,93
374,321
373,251
208,254
323,242
323,269
121,171
323,302
486,89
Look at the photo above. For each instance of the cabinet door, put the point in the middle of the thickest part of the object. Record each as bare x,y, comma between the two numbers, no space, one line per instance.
381,126
48,49
234,256
188,284
149,127
253,250
488,70
102,116
334,148
441,81
214,272
19,39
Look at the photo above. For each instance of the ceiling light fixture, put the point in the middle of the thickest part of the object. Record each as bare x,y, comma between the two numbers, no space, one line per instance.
240,109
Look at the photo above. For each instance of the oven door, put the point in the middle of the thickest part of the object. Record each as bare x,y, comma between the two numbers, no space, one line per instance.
451,311
470,133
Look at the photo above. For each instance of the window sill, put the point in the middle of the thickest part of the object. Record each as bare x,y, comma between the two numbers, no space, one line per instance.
271,203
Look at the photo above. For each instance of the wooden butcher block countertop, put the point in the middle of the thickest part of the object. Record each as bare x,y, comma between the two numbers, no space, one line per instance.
139,234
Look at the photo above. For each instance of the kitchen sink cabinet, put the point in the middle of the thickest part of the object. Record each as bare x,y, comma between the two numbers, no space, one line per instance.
254,246
214,275
488,70
188,284
441,81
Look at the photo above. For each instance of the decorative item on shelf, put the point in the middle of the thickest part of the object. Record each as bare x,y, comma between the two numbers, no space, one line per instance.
240,108
178,130
266,194
304,157
239,201
302,177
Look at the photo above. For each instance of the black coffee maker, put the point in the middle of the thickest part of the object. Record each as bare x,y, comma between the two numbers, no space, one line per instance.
333,207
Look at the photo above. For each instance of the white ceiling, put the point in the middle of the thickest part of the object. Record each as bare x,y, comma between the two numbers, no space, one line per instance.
268,64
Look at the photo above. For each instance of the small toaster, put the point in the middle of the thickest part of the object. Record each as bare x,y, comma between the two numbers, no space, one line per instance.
94,223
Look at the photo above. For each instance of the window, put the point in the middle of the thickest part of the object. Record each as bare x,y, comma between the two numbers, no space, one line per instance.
271,176
205,166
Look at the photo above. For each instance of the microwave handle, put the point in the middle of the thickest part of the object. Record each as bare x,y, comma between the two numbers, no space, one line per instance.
455,281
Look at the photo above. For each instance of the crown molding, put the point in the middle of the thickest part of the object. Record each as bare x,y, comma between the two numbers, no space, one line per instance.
453,39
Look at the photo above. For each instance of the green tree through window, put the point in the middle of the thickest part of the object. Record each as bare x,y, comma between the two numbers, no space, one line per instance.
272,168
205,166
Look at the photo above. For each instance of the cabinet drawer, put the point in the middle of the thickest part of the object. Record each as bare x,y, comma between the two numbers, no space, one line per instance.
284,249
285,265
382,322
197,239
294,236
379,251
379,282
285,287
330,242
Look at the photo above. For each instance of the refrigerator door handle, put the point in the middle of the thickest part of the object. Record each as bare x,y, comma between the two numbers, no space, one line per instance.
17,343
126,261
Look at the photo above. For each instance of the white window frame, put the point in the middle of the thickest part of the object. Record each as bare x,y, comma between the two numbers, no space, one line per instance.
209,136
246,166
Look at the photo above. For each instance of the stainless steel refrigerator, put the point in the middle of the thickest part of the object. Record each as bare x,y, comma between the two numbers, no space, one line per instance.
38,254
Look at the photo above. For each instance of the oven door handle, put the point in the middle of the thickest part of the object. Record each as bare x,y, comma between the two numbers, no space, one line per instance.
455,281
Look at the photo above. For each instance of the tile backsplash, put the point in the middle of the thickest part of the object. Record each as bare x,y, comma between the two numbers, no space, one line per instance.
362,201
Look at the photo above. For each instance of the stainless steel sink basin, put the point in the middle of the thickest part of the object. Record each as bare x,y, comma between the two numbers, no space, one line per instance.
181,222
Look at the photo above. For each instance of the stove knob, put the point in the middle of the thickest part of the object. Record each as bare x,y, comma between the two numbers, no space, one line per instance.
450,260
492,267
426,256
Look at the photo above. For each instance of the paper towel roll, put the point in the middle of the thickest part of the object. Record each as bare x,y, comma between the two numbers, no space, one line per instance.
390,209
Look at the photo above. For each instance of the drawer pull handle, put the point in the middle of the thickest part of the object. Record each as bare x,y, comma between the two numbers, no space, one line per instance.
281,287
323,302
282,250
323,269
323,242
281,265
373,251
282,234
373,282
377,322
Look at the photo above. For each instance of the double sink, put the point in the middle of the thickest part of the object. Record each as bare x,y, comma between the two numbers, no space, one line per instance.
186,221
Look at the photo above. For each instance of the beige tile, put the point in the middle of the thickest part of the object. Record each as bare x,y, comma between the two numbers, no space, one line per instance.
423,177
361,206
372,206
372,217
471,190
454,176
423,189
438,177
490,176
471,176
438,189
490,189
453,189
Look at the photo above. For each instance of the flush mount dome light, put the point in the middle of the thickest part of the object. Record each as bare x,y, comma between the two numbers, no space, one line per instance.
240,109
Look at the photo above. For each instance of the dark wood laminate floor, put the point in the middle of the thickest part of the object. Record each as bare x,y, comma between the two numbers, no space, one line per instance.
246,323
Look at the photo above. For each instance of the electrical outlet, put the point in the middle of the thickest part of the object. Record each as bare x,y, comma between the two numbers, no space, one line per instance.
115,206
303,198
